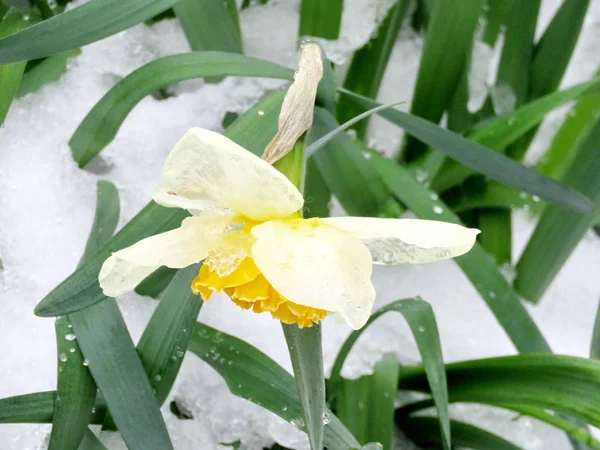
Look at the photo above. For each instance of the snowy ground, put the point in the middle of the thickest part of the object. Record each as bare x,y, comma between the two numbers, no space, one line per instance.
48,204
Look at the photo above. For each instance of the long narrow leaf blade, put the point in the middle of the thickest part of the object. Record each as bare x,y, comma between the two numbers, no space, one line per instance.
76,391
321,19
120,376
419,316
101,124
253,375
306,353
86,23
483,160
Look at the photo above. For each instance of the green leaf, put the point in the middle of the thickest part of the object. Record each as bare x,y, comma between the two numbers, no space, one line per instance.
495,18
165,338
481,159
502,132
576,128
10,74
155,283
368,65
105,341
76,391
208,25
595,346
366,405
87,23
424,432
321,19
564,384
476,264
496,234
47,71
306,353
252,375
101,124
553,51
106,218
493,195
316,193
448,42
421,320
558,232
38,408
355,184
318,144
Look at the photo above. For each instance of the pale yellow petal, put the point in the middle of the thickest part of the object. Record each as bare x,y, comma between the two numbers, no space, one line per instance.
177,248
412,241
316,265
207,166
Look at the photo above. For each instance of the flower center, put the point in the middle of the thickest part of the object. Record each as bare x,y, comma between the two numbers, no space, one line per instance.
249,289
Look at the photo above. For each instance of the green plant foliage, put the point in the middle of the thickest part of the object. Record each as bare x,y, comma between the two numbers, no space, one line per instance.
82,25
564,384
165,338
375,55
306,353
356,185
47,71
424,431
481,159
91,442
155,283
101,124
209,25
76,391
10,74
421,320
445,53
366,405
558,233
321,19
254,376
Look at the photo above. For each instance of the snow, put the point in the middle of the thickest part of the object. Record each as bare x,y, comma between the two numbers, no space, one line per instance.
48,206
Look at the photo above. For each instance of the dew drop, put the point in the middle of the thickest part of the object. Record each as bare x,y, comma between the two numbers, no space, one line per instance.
326,418
366,155
158,377
438,209
70,337
261,113
433,196
93,409
421,329
492,294
536,198
71,349
298,422
63,357
86,362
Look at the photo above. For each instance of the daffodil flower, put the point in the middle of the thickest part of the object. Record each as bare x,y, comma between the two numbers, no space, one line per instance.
245,225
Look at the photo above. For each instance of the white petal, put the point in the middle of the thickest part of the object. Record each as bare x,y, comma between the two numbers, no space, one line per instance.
207,166
178,248
316,265
412,241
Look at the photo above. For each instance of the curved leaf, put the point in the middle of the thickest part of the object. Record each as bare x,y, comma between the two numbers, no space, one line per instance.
419,316
252,375
101,124
424,432
87,23
564,384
